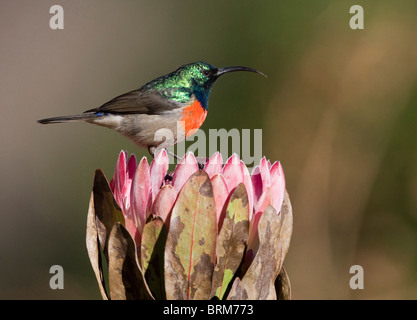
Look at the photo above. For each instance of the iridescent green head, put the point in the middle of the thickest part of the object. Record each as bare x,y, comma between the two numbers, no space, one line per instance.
195,78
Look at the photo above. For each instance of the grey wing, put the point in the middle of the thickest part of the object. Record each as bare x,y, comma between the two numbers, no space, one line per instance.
136,101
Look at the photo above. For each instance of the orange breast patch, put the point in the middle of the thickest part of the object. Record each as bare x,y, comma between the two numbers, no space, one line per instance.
192,118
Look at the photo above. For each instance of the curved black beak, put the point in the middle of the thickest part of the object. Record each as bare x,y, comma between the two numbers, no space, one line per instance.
222,71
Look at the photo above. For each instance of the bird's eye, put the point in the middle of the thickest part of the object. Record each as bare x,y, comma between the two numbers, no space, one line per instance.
206,72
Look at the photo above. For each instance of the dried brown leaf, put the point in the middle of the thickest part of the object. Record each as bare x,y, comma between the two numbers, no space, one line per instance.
152,255
283,286
191,241
231,242
258,281
93,248
126,280
107,210
286,225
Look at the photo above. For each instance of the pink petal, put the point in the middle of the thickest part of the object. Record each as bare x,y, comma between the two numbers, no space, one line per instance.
164,201
264,201
264,169
220,193
256,180
249,188
126,195
125,192
119,178
185,168
158,169
120,172
140,194
277,186
133,230
233,172
214,165
260,180
131,166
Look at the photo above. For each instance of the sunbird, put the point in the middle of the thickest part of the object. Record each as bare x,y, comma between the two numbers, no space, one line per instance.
176,102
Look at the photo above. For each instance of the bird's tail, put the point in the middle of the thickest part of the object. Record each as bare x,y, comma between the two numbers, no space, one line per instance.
78,117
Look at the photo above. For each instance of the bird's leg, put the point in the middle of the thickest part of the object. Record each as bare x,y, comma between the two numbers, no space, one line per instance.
151,150
200,164
168,176
173,155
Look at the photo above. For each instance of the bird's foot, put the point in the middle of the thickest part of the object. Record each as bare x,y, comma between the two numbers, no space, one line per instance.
201,161
201,165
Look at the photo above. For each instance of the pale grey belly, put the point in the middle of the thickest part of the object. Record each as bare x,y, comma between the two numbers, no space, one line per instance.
146,130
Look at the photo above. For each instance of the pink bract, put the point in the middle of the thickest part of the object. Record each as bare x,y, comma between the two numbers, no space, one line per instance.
141,189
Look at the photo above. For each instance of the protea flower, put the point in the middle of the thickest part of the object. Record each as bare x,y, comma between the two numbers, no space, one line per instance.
192,234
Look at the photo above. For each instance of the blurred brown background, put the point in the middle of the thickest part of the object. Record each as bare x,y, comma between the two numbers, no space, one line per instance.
338,109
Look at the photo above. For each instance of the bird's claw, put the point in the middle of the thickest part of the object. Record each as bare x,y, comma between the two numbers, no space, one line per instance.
200,165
